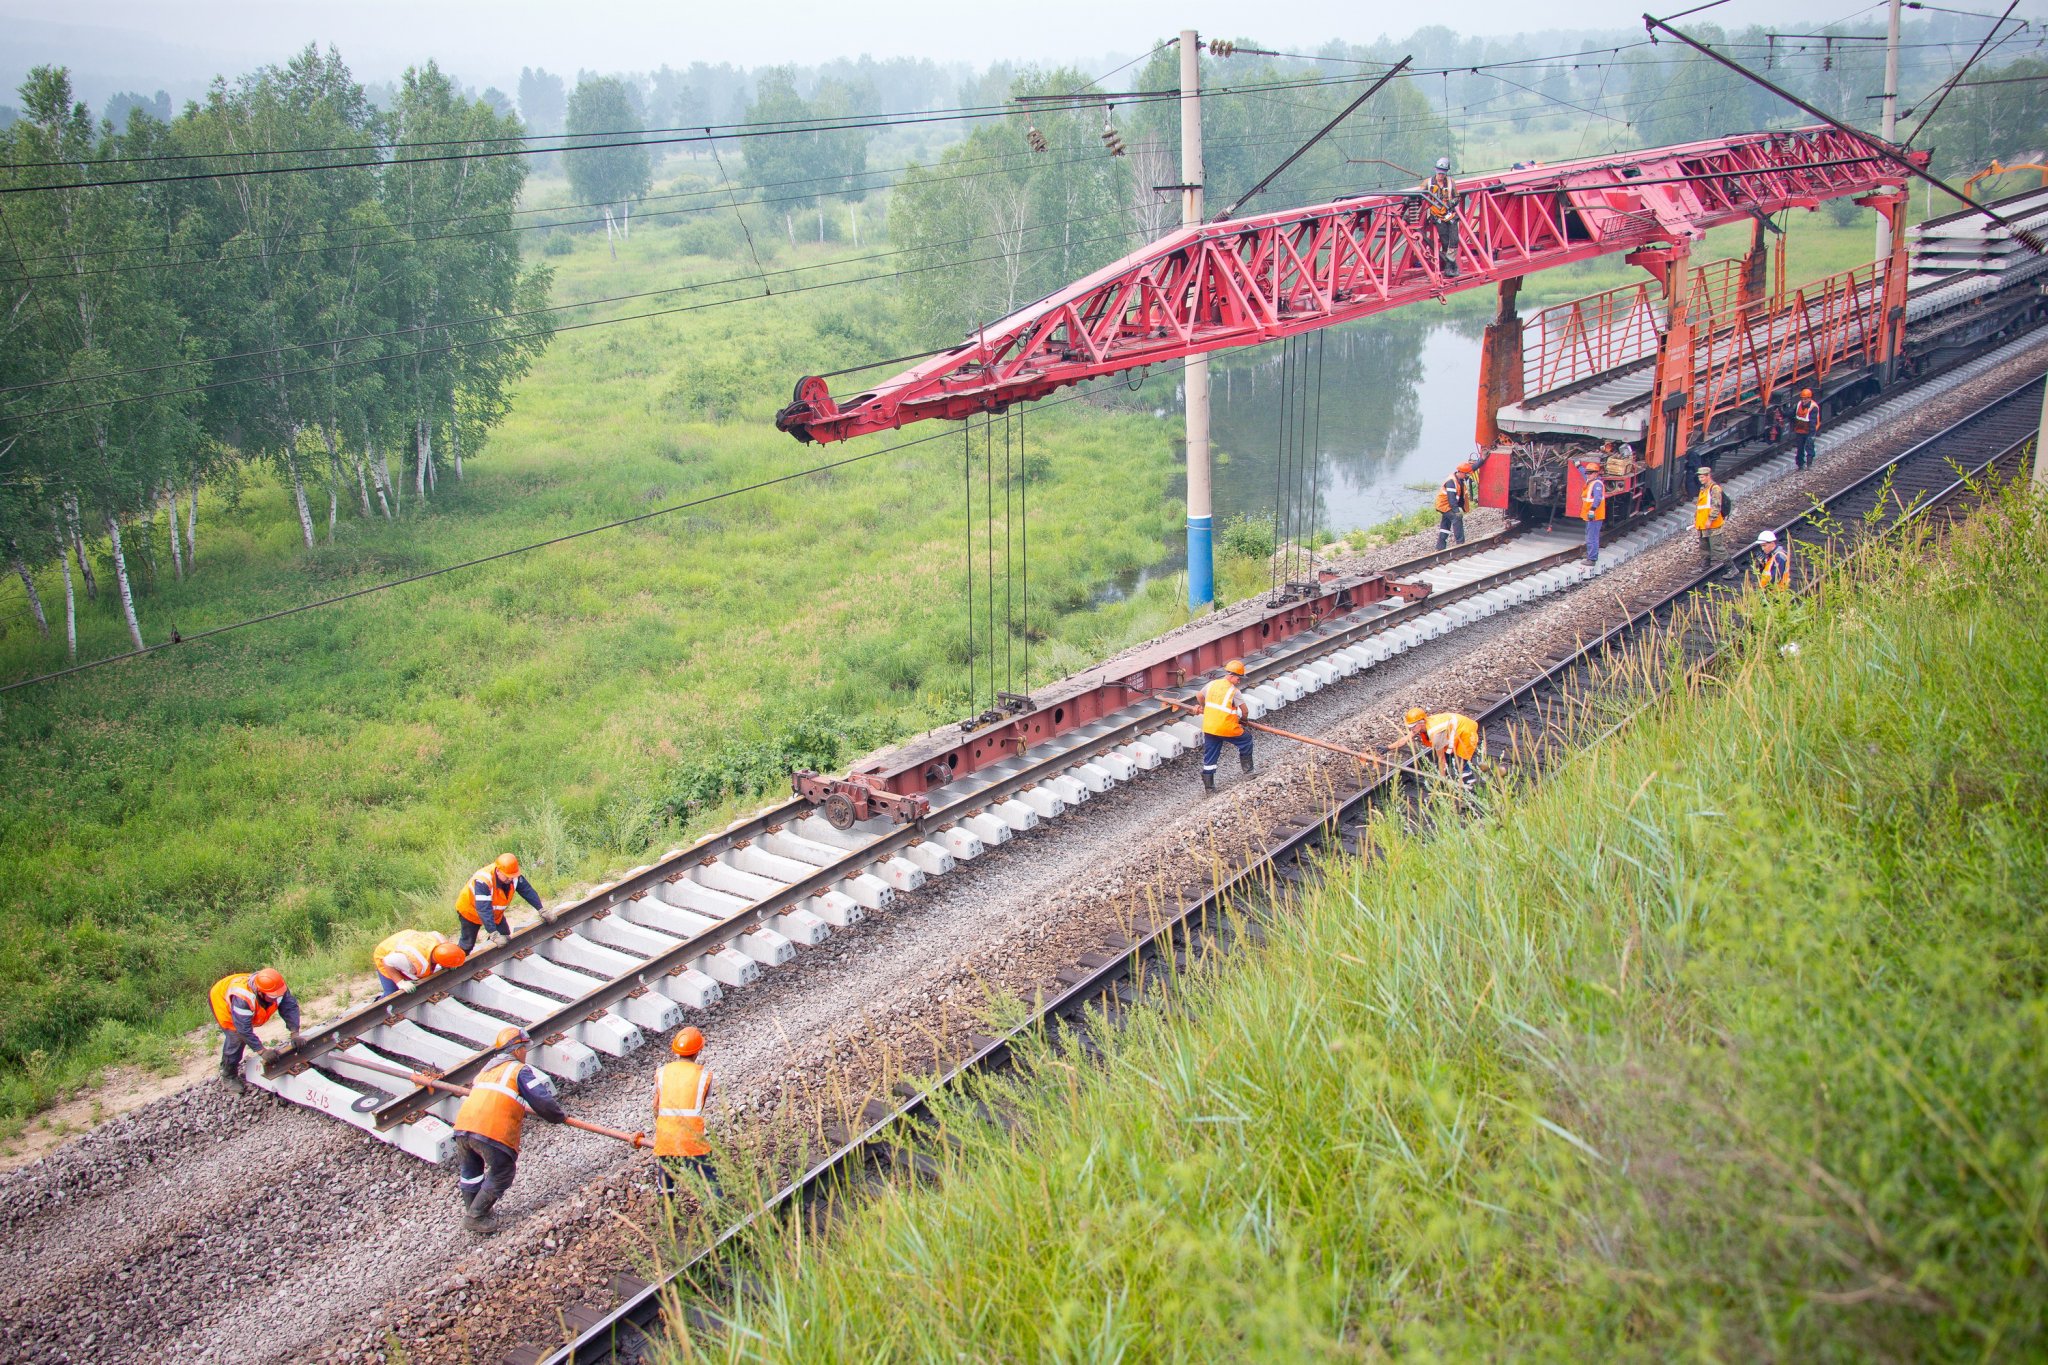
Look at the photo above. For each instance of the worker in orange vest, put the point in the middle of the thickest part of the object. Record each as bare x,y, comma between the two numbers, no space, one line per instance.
1774,562
1709,513
1593,507
487,894
243,1003
1805,423
1448,735
1454,498
488,1126
681,1089
1224,712
409,957
1440,204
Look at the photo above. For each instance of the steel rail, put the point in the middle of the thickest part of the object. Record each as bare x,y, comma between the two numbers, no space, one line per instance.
607,1337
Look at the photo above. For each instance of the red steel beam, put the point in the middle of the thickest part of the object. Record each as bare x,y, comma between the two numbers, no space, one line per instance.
1257,279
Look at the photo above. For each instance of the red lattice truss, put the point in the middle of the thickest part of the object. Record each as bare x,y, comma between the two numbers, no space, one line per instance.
1253,280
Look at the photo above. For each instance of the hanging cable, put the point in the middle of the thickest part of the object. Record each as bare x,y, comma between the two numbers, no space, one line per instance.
1315,441
1024,515
967,523
988,499
1280,466
1009,565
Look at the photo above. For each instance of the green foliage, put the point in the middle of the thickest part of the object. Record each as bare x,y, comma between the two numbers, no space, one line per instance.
744,768
1726,1040
604,114
1248,536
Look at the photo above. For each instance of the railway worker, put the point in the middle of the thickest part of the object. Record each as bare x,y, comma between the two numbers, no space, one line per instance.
489,1123
243,1003
1710,513
1593,507
681,1089
409,957
1774,562
1454,498
1805,424
1451,737
1224,712
487,894
1440,204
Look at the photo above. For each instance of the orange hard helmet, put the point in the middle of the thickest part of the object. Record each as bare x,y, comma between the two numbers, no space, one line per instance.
1806,393
448,955
508,865
1235,666
1416,715
688,1043
514,1038
269,981
1465,468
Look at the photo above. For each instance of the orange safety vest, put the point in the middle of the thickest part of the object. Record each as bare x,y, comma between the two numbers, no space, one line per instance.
1706,515
1451,733
494,1107
237,987
1805,414
1441,194
1222,709
1776,569
415,945
501,896
1593,500
680,1089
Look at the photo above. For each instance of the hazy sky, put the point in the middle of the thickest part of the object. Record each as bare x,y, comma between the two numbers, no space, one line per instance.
487,41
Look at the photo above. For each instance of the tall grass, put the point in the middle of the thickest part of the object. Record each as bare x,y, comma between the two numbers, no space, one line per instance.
1727,1039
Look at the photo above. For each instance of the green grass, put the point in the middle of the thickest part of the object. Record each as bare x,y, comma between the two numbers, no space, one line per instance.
1728,1040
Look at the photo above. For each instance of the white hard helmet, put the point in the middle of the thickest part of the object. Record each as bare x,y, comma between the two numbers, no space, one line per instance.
1767,537
1443,163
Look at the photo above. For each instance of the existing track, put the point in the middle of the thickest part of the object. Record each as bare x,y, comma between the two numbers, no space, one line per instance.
1562,705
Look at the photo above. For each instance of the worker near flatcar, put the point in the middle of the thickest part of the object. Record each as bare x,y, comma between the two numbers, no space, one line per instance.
1805,425
1440,206
1224,712
1773,563
1593,507
484,898
1453,738
681,1089
489,1125
409,957
1710,513
243,1003
1454,498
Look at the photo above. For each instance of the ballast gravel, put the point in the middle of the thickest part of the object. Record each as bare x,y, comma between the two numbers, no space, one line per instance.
214,1228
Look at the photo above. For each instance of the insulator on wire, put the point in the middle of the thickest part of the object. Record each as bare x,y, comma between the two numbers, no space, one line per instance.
1034,139
1222,47
1111,138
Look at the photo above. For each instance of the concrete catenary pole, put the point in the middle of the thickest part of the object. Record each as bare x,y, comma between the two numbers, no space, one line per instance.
1195,378
2041,449
1891,114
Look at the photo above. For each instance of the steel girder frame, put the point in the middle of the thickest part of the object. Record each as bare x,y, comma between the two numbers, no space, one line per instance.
1238,283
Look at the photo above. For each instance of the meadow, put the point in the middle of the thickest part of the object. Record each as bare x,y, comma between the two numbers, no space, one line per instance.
1725,1040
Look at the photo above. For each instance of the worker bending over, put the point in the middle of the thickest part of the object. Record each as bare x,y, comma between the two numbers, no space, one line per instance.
486,896
1453,500
1805,425
1774,562
1593,507
409,957
1224,712
681,1089
489,1123
1710,512
1451,737
1440,203
243,1003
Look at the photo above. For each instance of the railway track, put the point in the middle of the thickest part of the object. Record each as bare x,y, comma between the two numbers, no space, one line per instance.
597,977
1569,701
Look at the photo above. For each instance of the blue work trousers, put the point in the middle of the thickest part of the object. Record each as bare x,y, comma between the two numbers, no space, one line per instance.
1212,748
1592,540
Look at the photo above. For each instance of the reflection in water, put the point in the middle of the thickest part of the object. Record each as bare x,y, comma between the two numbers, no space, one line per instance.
1397,408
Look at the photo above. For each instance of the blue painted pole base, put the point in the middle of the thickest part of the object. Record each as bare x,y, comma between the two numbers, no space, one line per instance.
1201,563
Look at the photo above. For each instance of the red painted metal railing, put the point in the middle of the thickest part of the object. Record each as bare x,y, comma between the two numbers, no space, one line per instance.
1779,343
1574,341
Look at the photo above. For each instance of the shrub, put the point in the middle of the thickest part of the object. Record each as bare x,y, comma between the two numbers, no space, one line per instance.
1247,537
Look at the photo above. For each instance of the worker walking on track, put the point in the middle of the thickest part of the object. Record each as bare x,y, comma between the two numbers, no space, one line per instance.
243,1003
489,1123
487,894
1593,507
1774,562
1440,204
1454,498
409,957
1224,712
1805,425
681,1089
1709,513
1451,737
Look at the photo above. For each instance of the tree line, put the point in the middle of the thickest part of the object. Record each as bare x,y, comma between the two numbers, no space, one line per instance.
355,330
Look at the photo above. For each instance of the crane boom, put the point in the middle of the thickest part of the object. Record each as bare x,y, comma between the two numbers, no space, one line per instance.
1238,283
